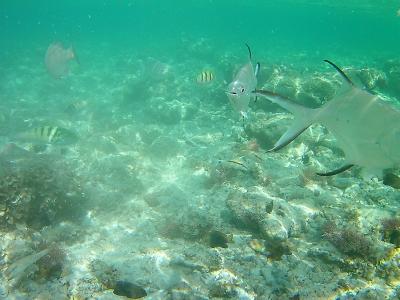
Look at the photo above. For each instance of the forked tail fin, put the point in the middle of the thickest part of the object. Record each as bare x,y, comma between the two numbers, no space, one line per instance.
304,117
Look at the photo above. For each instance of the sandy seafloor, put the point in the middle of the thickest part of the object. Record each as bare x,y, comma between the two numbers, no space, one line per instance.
152,164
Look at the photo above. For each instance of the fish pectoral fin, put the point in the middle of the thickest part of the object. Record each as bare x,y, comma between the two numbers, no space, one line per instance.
336,171
293,132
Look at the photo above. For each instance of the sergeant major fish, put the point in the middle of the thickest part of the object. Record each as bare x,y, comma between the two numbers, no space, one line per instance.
366,127
205,77
49,135
242,88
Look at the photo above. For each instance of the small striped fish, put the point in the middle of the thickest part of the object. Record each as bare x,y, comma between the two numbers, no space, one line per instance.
49,134
205,77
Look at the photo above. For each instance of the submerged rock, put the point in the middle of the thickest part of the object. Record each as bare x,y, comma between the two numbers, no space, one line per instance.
267,130
372,78
164,147
129,289
252,211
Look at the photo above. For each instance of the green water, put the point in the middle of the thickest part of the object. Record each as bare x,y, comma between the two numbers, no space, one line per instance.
163,185
349,27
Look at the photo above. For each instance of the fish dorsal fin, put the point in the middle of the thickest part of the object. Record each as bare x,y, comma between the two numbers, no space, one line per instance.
257,67
340,71
248,48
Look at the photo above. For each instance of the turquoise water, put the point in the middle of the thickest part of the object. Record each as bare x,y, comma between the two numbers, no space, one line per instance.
353,27
126,176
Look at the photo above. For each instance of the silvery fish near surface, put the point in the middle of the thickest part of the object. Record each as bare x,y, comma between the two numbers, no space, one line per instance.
366,127
205,77
49,135
57,58
241,89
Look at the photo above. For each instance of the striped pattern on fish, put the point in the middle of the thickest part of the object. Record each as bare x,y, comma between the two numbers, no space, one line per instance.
48,135
205,77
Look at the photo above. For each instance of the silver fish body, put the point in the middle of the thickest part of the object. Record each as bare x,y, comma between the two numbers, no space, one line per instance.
366,127
240,90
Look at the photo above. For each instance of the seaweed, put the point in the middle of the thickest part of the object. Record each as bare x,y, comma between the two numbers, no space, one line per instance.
51,265
40,192
391,230
350,241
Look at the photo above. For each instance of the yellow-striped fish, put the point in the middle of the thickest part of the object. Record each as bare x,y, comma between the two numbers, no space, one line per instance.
205,77
49,135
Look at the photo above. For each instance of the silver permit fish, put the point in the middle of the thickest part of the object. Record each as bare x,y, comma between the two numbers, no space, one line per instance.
242,88
49,135
366,127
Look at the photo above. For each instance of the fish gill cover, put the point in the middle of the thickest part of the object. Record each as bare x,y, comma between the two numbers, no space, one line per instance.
122,174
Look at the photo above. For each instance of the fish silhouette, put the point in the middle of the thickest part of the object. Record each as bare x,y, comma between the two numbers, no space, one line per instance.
242,88
366,127
57,58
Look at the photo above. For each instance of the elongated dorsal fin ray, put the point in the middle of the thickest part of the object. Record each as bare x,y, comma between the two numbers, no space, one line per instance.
290,135
340,71
248,48
336,171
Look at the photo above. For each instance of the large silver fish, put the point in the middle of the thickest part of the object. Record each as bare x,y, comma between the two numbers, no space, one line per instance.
241,89
366,127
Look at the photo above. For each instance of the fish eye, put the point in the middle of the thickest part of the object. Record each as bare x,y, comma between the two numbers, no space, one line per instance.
242,90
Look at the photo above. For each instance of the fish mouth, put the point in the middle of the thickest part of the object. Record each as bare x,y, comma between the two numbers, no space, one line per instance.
231,93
